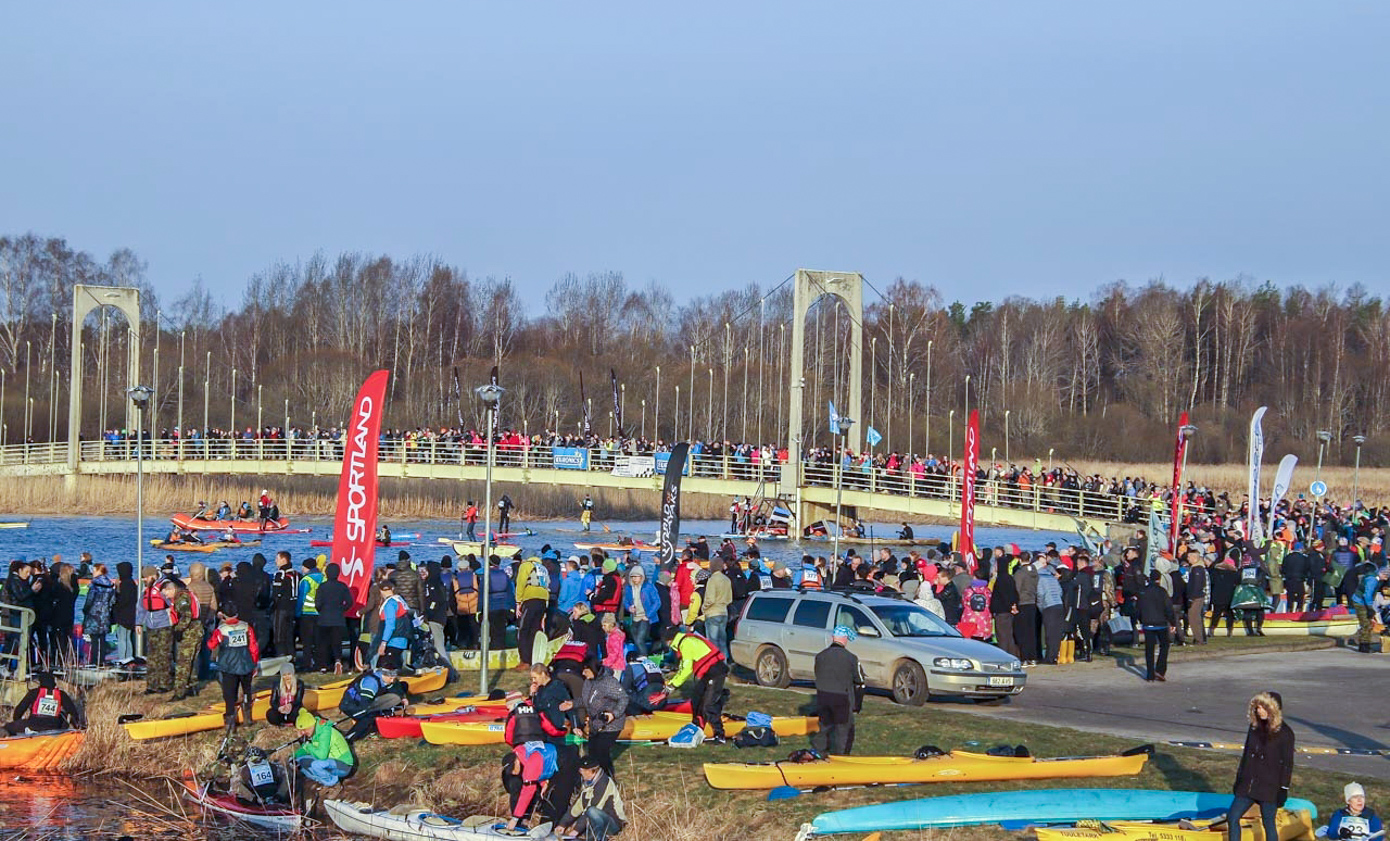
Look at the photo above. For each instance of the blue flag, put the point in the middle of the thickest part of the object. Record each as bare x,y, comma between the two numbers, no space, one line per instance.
872,437
834,419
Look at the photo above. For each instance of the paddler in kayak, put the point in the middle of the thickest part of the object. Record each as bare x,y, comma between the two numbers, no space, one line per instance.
325,757
383,535
45,708
260,782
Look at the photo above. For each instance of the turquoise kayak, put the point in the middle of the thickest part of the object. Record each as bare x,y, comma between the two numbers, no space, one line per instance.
1032,807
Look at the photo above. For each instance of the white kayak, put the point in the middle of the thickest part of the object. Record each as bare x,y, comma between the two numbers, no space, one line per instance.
418,824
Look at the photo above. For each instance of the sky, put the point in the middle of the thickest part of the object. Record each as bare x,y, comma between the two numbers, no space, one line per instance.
989,148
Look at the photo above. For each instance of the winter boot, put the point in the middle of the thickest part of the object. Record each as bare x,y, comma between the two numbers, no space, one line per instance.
246,710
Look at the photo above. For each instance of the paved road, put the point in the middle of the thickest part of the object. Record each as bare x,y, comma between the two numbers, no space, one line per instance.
1332,698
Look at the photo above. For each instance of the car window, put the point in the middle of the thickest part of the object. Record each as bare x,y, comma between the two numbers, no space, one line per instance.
769,609
812,613
910,620
856,619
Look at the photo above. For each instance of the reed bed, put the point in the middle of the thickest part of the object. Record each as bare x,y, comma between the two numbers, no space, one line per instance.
1374,482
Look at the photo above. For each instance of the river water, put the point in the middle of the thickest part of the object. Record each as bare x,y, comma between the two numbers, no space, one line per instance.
62,809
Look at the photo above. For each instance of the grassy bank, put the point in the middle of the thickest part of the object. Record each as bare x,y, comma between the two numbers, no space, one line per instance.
664,788
316,496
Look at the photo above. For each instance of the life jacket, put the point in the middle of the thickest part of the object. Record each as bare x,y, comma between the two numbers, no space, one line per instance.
361,693
572,656
550,759
310,607
810,578
706,661
154,599
48,703
234,648
526,724
192,606
260,777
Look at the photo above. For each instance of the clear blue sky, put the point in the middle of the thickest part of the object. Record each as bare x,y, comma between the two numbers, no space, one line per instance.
988,148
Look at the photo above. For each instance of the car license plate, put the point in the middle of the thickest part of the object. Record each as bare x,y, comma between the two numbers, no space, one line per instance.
1001,681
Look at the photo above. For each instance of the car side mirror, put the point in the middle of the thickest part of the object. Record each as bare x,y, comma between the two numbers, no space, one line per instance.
868,631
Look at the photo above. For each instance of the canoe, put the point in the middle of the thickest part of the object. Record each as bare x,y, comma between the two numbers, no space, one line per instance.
755,535
39,752
316,699
1032,806
953,767
280,819
14,525
657,727
473,547
393,543
186,521
1293,826
409,726
418,824
206,546
634,546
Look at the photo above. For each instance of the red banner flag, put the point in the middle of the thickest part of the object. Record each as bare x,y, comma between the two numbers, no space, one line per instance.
967,493
1176,509
354,525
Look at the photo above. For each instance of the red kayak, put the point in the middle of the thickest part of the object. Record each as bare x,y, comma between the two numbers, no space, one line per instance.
408,727
1310,615
382,545
186,521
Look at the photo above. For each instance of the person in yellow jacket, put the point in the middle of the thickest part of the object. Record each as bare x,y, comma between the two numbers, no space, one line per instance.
700,659
532,598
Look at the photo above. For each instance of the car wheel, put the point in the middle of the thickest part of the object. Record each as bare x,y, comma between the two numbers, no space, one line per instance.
770,668
910,684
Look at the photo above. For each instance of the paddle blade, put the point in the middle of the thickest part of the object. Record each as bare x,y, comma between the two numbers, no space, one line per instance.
783,793
1135,751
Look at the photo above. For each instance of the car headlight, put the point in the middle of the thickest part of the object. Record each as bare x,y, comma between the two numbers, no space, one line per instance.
1015,665
958,663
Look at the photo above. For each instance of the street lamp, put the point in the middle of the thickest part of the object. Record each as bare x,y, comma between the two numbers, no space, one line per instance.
140,396
491,395
950,448
911,408
1006,435
1187,430
873,379
844,424
1323,437
1356,473
926,420
644,417
656,422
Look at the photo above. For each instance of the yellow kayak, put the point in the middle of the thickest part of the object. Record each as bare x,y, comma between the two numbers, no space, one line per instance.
656,727
319,698
956,766
1293,826
39,752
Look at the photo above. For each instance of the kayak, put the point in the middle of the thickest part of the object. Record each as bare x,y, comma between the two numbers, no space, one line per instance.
316,699
758,535
39,751
206,546
953,767
14,525
1293,826
419,824
634,546
459,702
409,726
1337,626
473,547
279,818
392,544
497,658
862,541
1035,806
657,727
186,521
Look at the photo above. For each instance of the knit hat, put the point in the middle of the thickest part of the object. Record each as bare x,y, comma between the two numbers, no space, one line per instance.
304,720
609,565
1352,790
403,555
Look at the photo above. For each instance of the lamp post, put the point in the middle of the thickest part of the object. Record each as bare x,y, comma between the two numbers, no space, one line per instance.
709,409
950,448
182,335
926,438
140,396
232,403
1187,430
1006,434
873,380
1323,437
690,427
1050,451
656,422
207,396
676,430
967,397
491,395
911,408
1356,472
728,361
644,417
844,424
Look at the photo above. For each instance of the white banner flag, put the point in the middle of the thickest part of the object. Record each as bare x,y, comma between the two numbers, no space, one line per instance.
1283,480
1257,452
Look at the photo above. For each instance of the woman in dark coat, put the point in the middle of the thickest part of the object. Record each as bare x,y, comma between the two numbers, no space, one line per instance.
1266,766
123,616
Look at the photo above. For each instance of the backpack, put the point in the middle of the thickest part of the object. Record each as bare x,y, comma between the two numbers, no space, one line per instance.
539,577
738,581
975,620
756,737
689,736
550,760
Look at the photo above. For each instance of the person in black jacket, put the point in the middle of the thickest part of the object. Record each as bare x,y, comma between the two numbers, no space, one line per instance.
1196,597
1003,606
334,600
1295,572
1266,765
123,614
284,597
246,593
1157,618
839,693
1224,578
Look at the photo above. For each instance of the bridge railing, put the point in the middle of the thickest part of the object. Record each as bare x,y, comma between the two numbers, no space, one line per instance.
724,465
15,622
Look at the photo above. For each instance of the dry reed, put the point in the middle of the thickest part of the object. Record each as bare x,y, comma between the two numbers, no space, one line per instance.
1374,483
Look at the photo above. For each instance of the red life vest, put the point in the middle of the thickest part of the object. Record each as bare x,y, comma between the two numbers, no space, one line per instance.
572,652
192,603
154,599
48,703
526,724
709,659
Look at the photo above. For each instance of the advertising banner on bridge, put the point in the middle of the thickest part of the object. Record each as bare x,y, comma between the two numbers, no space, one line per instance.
569,458
671,505
970,465
663,459
634,467
1176,511
354,525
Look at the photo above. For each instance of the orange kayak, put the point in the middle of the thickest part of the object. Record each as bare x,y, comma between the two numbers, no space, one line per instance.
39,751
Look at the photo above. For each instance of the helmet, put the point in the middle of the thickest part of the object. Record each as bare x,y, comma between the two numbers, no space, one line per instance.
255,754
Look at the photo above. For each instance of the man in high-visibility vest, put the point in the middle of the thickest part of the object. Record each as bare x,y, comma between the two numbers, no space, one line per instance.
701,659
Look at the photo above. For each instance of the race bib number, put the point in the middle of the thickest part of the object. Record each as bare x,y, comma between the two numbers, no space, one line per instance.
48,706
238,638
261,774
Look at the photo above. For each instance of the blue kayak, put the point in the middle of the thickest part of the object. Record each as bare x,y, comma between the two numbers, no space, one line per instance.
1032,807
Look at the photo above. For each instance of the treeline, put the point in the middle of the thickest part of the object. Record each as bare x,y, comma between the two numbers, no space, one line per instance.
1102,378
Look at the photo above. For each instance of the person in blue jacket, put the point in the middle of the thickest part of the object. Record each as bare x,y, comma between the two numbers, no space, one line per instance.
571,586
643,605
1363,603
1355,821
